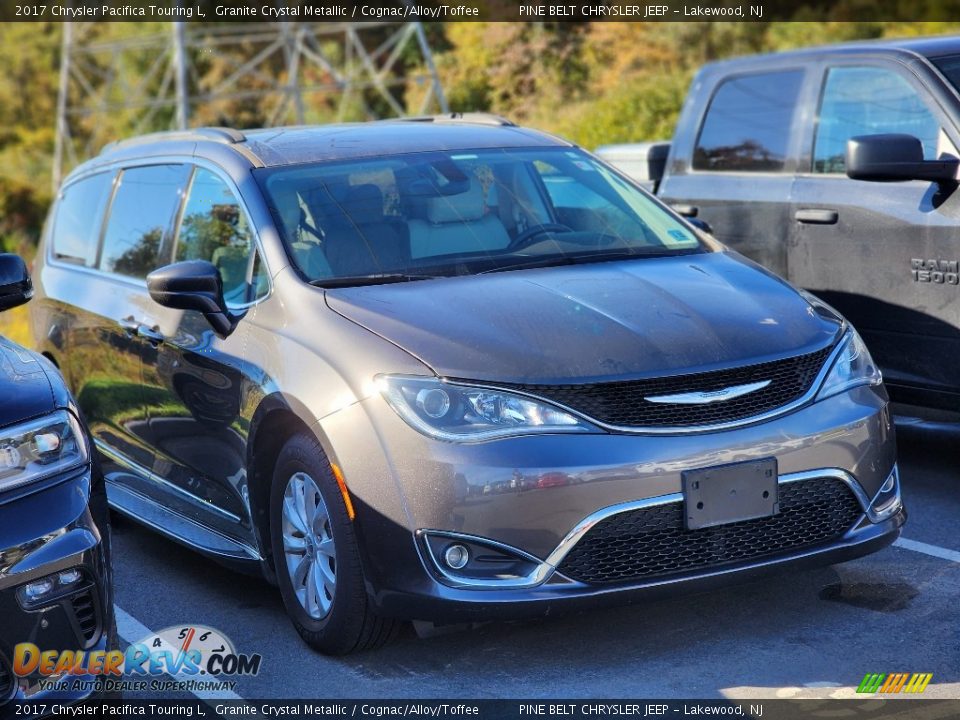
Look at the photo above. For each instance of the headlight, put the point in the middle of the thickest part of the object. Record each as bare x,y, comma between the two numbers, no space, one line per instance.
461,413
40,448
853,366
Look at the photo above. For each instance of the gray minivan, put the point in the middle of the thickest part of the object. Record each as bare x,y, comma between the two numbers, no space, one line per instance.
449,369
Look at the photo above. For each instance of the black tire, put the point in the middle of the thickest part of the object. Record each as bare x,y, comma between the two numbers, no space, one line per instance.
350,624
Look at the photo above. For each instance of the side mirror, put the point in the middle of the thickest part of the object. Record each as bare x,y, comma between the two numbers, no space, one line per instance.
700,224
194,285
16,288
892,157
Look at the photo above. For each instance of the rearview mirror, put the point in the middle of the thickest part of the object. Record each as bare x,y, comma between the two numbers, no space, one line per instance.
892,157
194,285
700,224
16,288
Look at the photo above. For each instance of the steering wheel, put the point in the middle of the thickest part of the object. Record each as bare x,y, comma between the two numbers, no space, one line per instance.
524,238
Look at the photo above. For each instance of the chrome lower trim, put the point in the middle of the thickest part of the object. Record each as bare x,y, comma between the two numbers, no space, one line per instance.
162,481
547,568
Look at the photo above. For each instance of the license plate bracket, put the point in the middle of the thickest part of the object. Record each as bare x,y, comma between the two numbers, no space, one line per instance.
726,494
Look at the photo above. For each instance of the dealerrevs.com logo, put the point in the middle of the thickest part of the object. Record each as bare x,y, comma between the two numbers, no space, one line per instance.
194,656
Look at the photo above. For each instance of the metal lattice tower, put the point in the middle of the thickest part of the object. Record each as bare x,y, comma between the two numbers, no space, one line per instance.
197,74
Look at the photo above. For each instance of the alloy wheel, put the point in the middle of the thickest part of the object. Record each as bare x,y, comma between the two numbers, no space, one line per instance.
308,545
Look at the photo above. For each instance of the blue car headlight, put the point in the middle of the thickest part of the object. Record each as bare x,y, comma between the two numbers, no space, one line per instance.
464,413
852,366
40,448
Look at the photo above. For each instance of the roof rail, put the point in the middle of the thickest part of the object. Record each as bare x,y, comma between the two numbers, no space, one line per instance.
477,118
224,135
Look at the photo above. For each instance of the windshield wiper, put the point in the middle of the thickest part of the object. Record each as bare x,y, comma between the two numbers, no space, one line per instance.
360,280
557,260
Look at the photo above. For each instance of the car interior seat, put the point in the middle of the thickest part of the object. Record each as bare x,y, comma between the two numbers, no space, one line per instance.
361,240
457,224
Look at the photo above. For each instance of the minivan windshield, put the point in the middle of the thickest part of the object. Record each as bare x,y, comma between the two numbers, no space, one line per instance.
439,214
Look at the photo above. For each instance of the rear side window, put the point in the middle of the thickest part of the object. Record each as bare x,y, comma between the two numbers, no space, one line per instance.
76,226
747,126
214,227
868,101
140,218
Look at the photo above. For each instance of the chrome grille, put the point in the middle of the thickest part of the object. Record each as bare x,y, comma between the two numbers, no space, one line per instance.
623,403
653,542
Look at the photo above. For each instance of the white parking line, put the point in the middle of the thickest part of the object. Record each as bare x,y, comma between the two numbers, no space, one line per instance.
132,630
926,549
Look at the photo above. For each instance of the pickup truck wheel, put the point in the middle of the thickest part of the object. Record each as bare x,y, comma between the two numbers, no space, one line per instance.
316,556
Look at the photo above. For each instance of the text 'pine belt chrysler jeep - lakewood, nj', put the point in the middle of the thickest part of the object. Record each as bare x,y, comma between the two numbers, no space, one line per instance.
836,168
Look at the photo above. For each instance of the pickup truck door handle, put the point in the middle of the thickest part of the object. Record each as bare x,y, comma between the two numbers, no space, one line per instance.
686,210
151,334
817,217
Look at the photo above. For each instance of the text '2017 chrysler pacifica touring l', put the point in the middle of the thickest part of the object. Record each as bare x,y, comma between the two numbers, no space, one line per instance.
450,369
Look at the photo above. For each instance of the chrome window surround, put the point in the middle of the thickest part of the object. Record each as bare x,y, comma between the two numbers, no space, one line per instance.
806,398
114,167
546,568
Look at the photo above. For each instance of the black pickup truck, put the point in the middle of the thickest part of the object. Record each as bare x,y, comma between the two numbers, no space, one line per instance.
836,168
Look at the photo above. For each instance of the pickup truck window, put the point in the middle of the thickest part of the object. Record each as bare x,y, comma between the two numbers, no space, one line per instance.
747,126
868,101
950,67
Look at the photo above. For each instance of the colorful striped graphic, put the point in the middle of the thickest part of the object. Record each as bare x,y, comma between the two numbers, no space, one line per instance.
894,682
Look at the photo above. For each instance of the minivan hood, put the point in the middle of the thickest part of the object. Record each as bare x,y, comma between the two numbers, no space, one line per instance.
599,321
24,385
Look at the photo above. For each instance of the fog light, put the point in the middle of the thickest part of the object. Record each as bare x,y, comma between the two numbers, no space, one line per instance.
434,402
887,500
38,589
888,485
69,577
456,556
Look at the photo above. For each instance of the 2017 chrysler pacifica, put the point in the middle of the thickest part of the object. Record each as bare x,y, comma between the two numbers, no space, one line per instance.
446,369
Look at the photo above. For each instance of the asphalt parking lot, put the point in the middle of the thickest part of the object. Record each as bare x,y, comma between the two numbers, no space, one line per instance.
812,633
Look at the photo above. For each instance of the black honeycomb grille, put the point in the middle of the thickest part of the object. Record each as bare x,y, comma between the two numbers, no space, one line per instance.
653,542
6,681
85,611
623,402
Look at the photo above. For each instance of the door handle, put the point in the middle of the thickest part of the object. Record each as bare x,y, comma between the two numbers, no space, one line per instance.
813,216
686,210
151,334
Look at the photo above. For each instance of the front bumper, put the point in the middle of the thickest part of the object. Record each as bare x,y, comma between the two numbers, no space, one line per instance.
59,527
428,599
531,494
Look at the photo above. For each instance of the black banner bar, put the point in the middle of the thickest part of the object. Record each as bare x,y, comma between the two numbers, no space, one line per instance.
201,11
869,708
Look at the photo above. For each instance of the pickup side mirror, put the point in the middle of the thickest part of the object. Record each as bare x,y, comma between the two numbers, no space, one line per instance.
194,285
892,157
700,224
16,288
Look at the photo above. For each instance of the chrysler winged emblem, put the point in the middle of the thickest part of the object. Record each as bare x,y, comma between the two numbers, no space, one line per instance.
708,396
